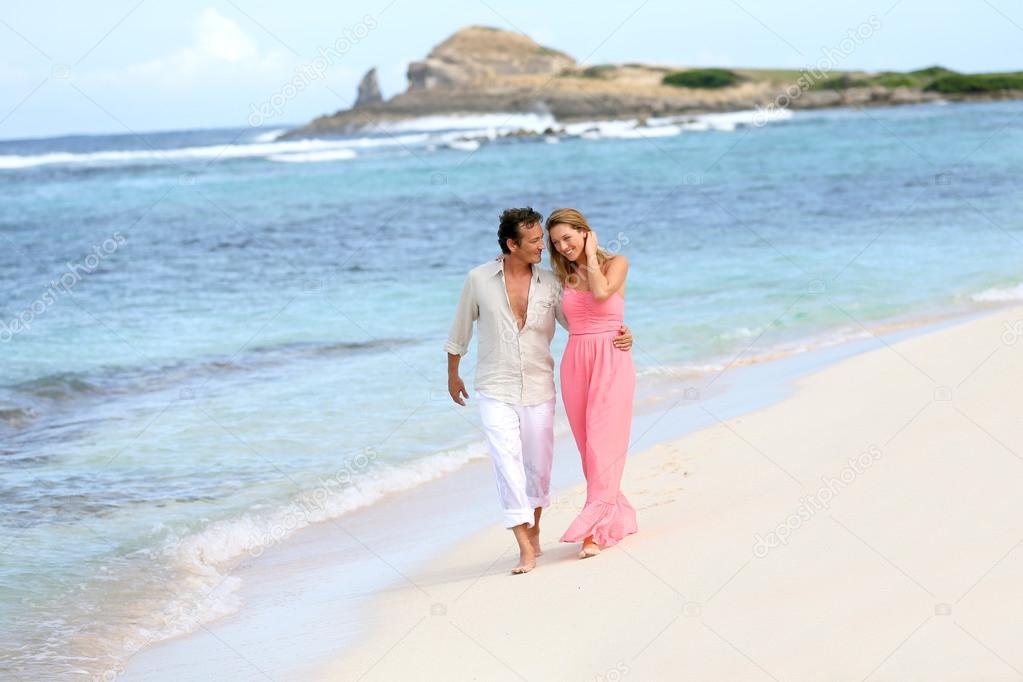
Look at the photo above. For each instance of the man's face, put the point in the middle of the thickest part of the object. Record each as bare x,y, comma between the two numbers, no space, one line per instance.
530,246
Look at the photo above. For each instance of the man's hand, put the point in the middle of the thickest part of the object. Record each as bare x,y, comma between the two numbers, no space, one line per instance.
456,387
624,340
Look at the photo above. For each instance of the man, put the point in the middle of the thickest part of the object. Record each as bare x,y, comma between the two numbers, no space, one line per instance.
515,303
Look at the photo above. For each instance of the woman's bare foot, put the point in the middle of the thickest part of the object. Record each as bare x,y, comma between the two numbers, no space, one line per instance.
590,548
527,562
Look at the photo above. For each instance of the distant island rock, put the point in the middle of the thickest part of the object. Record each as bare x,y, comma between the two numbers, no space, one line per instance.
479,56
485,70
369,90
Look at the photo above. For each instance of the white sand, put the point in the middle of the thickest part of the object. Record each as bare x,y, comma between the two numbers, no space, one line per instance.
910,570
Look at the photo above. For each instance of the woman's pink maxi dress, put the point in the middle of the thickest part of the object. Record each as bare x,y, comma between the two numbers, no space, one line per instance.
597,386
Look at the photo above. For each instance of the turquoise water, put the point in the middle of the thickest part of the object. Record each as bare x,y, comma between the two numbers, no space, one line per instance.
251,339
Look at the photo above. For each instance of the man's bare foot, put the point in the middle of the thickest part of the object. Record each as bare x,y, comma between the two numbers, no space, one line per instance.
534,539
527,562
590,548
528,538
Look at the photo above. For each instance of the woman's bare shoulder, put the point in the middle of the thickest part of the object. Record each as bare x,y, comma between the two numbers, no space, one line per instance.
620,260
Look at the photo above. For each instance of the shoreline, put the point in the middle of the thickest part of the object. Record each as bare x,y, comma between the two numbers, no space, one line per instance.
355,121
753,387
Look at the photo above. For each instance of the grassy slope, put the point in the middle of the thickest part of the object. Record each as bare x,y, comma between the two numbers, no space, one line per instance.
934,78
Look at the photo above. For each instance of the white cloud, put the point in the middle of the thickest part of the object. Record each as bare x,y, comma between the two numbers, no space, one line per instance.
221,38
220,51
220,68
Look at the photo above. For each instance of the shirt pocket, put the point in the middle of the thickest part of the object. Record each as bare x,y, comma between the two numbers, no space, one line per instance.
542,309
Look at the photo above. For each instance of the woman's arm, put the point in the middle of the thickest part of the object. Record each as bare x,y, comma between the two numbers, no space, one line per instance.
604,284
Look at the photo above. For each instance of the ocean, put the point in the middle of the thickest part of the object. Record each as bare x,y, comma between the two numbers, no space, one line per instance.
213,338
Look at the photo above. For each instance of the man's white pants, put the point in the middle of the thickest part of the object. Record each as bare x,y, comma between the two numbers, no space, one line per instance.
521,440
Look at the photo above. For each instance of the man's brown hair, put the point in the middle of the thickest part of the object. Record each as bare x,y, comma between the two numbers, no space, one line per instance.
511,220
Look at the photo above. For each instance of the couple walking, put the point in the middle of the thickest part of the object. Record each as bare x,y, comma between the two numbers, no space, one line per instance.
514,304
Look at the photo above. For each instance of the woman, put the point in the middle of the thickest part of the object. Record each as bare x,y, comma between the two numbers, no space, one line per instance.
597,381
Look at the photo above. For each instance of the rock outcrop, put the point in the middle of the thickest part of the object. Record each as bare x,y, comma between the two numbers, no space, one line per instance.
479,54
369,90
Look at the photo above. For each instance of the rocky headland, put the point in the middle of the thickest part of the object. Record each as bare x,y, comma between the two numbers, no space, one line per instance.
486,70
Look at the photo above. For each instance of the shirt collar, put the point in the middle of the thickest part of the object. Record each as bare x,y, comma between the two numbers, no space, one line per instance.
497,268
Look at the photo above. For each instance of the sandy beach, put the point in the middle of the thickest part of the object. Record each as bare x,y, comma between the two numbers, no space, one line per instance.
867,527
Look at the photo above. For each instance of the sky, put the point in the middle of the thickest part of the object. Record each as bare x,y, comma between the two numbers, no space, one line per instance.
118,66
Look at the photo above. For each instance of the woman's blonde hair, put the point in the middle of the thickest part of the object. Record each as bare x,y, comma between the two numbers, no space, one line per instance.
561,266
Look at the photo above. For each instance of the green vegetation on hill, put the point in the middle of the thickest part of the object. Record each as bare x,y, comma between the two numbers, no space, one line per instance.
919,79
839,81
977,83
891,79
932,72
702,78
932,79
549,51
598,71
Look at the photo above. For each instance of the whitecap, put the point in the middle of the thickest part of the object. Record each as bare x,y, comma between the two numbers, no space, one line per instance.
998,294
464,145
315,157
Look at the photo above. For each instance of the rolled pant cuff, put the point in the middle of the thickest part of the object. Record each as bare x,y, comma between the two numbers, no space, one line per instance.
516,517
544,501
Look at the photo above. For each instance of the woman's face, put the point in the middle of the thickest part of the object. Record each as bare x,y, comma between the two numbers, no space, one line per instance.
568,240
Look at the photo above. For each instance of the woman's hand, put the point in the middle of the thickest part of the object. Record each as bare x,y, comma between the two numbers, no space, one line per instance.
590,246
